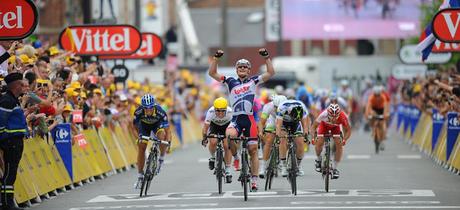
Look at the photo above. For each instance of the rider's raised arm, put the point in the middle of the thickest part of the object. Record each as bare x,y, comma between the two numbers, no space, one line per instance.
213,66
268,63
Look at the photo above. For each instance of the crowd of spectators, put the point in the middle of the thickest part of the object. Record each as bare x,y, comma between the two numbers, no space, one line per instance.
438,89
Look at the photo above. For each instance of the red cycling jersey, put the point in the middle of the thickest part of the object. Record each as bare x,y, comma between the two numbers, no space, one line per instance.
325,124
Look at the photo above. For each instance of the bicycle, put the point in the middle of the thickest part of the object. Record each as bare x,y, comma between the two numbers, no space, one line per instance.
326,165
292,166
219,170
273,162
245,168
377,132
152,163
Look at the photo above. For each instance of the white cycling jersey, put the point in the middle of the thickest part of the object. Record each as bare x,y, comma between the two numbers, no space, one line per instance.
212,117
269,112
285,109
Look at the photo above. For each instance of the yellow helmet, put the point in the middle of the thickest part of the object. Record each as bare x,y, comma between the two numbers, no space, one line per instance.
220,103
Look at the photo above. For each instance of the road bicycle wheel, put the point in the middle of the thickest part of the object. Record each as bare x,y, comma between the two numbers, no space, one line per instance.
244,175
146,175
219,172
270,169
327,169
293,171
153,159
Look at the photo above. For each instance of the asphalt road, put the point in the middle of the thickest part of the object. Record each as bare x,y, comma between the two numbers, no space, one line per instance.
398,178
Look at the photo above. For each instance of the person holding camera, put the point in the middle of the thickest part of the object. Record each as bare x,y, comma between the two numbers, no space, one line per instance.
13,129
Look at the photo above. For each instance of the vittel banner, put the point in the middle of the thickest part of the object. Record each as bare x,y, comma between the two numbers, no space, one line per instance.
150,48
446,25
18,19
101,39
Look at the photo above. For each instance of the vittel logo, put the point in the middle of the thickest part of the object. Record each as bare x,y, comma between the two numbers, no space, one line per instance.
18,19
101,40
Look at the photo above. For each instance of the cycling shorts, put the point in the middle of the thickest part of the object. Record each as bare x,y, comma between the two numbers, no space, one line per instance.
218,129
378,111
147,130
247,124
292,127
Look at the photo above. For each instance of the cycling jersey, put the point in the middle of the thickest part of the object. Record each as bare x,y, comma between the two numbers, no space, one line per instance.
211,117
284,110
325,124
148,123
242,93
377,102
269,112
345,93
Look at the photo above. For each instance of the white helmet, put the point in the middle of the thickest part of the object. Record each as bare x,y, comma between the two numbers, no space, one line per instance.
377,89
243,62
344,82
279,89
278,99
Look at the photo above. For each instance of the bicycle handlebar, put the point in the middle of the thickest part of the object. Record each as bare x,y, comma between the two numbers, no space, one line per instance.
216,136
155,140
243,138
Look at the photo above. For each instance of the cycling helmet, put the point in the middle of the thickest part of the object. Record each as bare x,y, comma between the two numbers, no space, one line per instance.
333,96
333,110
377,89
243,62
147,101
296,113
278,99
220,103
344,82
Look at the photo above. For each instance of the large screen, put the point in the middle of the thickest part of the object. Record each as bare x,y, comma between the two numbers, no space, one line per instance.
350,19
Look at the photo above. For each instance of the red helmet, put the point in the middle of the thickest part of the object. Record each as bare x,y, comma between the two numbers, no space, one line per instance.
333,110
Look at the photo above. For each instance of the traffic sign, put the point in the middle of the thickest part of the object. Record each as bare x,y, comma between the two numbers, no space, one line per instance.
18,19
120,72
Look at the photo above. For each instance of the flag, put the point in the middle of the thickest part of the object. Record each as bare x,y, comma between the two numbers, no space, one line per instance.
427,38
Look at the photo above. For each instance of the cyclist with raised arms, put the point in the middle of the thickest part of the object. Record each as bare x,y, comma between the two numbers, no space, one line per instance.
331,119
292,116
267,129
242,91
150,118
216,122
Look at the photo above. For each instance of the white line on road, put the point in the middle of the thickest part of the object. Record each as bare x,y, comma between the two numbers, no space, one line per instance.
409,157
311,157
271,194
148,206
358,156
331,207
203,160
362,202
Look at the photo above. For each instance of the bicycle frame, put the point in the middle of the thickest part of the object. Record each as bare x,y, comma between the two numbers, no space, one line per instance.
377,126
326,165
292,165
272,168
219,170
152,163
245,173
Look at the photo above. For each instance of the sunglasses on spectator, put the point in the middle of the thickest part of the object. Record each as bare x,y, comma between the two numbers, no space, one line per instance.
39,85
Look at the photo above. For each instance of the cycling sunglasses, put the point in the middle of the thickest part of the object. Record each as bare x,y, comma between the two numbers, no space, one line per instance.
221,110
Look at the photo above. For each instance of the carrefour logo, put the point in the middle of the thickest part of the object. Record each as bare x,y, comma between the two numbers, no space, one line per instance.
454,122
62,135
438,117
415,112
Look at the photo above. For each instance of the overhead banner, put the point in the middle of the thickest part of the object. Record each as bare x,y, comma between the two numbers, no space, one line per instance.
445,25
18,19
150,48
438,122
453,128
101,39
63,141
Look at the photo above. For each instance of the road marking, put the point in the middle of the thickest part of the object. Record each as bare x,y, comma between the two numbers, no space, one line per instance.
271,194
358,156
330,207
409,157
311,157
203,160
147,206
167,162
361,202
